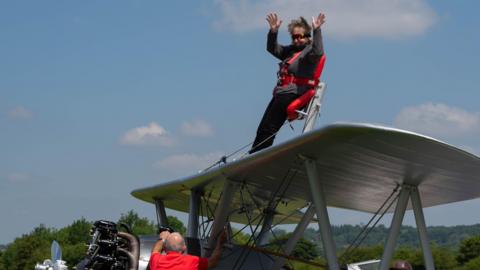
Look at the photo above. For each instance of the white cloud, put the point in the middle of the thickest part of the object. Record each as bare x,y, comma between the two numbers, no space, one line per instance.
345,18
198,128
18,177
188,162
438,119
19,112
153,134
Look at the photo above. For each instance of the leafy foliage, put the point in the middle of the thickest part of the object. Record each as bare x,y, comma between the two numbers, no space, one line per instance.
469,249
29,249
143,226
77,232
473,264
441,235
362,254
73,239
32,248
138,225
443,257
176,225
239,237
1,256
304,249
453,249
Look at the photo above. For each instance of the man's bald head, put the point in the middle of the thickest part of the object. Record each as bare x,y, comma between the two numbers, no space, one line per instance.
174,242
402,265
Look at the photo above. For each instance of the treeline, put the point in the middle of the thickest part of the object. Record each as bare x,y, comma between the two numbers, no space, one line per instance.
453,248
456,248
442,236
25,251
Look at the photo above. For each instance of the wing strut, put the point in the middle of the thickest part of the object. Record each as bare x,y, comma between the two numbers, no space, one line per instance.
318,198
266,226
193,214
422,228
406,193
193,243
162,220
221,215
312,114
297,233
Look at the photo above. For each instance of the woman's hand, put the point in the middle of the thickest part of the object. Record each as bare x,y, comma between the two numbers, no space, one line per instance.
318,21
274,22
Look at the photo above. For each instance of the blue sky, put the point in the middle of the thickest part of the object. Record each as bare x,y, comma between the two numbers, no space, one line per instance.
98,98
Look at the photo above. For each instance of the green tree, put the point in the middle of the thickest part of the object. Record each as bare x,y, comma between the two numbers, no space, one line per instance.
176,225
29,249
77,232
1,260
73,239
25,251
443,257
239,237
361,254
473,264
412,255
144,226
304,249
469,249
304,266
73,253
139,226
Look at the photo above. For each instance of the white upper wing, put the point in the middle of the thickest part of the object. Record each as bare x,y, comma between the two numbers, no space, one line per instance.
359,166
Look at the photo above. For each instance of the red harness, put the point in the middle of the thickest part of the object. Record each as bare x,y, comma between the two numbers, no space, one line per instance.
286,79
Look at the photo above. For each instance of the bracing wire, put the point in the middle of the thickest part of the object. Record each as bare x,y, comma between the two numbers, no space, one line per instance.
367,228
273,203
224,158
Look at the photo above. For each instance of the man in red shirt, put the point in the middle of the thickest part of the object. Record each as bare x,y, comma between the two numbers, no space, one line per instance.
401,265
174,246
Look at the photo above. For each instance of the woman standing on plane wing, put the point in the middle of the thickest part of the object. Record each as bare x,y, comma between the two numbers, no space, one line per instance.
300,69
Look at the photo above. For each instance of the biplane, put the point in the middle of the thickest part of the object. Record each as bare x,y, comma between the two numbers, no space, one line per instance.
361,167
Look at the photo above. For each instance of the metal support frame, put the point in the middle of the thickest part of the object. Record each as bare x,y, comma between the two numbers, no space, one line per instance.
297,234
221,215
313,110
162,219
406,193
193,214
422,229
318,198
395,227
267,224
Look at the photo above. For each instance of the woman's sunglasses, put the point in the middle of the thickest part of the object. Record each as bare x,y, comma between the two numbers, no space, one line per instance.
299,36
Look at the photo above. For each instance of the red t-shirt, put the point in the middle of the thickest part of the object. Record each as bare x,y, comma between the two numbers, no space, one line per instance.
177,261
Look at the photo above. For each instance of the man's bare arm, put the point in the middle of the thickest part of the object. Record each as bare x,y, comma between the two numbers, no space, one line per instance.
158,247
217,252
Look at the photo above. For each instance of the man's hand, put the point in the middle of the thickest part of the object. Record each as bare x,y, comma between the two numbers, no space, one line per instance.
163,235
318,21
274,22
222,238
159,244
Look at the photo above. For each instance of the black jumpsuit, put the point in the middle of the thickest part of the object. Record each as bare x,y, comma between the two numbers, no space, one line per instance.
303,66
